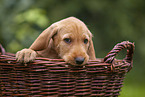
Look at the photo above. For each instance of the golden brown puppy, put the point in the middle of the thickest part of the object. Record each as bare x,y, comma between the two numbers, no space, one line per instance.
69,39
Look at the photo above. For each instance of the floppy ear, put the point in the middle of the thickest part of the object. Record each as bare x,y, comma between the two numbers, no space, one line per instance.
91,51
43,39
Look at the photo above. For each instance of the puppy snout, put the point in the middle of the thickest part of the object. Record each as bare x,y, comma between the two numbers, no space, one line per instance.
79,60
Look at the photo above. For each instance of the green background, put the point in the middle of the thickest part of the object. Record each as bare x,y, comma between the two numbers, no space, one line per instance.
110,21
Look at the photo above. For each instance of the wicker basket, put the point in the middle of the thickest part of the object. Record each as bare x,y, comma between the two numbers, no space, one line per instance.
55,78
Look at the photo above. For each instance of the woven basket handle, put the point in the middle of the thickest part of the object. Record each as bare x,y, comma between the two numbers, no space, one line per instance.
2,50
117,48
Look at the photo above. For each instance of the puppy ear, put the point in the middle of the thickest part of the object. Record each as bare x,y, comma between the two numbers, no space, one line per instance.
91,51
43,39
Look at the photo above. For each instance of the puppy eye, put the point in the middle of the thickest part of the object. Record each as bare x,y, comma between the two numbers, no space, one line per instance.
86,41
67,40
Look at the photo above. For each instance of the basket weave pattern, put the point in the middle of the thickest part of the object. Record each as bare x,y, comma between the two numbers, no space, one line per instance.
55,78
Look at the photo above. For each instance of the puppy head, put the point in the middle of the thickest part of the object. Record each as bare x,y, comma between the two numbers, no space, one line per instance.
72,41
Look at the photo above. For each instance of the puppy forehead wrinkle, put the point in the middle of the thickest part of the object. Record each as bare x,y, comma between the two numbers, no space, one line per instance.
86,36
66,35
80,36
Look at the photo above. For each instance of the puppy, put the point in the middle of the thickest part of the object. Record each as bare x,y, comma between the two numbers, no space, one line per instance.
69,39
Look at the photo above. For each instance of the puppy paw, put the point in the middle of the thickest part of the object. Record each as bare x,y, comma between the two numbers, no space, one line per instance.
26,55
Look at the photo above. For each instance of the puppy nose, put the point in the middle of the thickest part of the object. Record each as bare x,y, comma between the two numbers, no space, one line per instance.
79,60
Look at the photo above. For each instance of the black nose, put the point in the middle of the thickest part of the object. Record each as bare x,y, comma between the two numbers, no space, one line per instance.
79,60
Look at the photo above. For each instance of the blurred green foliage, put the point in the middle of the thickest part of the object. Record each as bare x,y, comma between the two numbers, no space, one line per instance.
111,21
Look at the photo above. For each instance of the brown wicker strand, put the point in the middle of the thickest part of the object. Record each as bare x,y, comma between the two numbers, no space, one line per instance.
2,50
117,48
